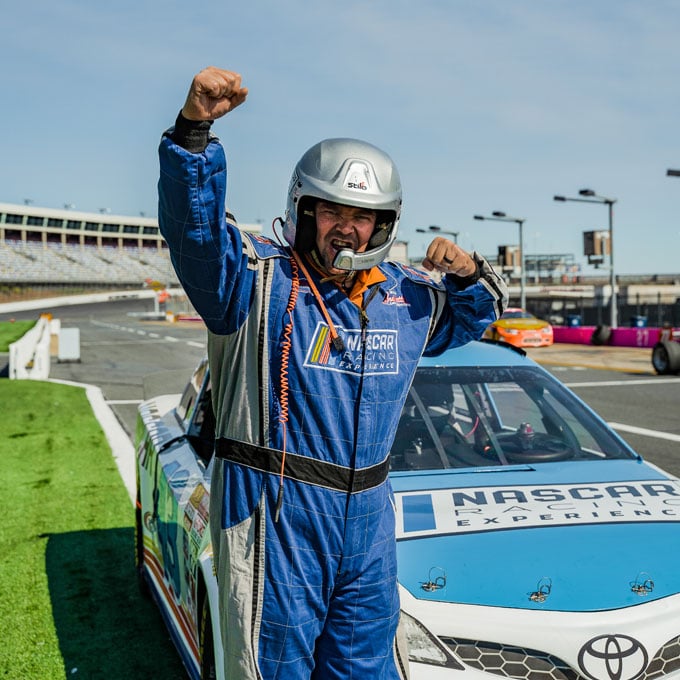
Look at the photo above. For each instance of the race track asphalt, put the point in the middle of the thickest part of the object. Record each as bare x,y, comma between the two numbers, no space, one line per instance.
626,359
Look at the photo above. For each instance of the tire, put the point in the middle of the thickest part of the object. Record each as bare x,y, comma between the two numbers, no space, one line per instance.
601,335
207,647
666,357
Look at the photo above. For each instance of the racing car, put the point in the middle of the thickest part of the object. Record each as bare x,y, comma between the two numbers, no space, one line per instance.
520,328
533,542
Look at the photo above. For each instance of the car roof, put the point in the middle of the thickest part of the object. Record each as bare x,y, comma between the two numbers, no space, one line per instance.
481,353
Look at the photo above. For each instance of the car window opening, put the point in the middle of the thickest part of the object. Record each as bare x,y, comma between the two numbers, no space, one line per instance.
478,417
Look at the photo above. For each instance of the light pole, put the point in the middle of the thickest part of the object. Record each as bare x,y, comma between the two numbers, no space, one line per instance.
673,173
589,196
502,217
439,230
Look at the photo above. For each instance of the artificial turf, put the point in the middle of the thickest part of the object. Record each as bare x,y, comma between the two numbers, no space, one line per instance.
11,331
69,603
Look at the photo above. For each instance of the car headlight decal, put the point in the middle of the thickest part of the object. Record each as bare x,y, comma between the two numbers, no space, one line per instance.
423,646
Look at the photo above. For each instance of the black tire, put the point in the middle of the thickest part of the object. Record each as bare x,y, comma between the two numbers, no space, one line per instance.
206,644
601,335
666,357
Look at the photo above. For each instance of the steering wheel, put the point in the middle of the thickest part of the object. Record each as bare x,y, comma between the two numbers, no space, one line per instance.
535,448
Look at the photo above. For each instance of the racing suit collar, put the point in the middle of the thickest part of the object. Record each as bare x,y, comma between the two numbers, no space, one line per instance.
364,279
361,280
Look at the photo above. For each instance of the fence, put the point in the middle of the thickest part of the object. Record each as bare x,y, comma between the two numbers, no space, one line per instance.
594,311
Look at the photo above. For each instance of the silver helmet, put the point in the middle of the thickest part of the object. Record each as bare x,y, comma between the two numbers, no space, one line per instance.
352,173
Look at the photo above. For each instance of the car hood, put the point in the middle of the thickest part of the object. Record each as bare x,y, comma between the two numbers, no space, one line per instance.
521,324
577,537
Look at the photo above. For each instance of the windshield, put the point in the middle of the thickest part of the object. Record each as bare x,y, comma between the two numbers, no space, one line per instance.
477,417
516,314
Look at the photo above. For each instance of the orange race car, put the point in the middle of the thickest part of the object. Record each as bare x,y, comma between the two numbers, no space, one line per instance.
521,329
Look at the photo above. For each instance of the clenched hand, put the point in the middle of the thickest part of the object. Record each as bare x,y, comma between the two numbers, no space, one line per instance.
214,92
449,258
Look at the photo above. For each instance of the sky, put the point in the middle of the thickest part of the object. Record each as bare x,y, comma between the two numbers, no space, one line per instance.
484,105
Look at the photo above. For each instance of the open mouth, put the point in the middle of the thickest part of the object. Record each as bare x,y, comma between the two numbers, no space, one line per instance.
340,244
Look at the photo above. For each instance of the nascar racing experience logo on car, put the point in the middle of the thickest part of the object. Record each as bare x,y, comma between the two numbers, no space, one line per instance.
487,509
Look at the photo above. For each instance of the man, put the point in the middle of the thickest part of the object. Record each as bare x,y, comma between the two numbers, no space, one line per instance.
312,348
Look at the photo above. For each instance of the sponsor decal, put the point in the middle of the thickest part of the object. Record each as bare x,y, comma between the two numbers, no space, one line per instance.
474,509
358,177
398,300
617,657
149,522
380,348
416,273
263,239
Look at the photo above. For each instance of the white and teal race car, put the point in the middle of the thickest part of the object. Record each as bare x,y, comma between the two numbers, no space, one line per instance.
533,543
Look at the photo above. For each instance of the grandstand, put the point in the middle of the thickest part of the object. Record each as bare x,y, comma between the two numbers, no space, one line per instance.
46,252
50,248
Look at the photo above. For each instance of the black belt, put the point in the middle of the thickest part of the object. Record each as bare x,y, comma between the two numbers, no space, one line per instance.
301,468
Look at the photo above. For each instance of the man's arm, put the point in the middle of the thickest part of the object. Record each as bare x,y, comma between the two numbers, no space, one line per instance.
475,295
206,250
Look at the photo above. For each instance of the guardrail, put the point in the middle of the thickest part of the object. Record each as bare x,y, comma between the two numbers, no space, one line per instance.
616,337
29,356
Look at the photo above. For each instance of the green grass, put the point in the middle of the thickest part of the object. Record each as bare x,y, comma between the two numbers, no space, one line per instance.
10,331
69,603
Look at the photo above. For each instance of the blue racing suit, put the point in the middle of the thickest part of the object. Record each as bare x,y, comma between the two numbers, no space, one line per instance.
311,593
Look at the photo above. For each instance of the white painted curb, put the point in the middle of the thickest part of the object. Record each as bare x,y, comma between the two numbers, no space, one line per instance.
122,449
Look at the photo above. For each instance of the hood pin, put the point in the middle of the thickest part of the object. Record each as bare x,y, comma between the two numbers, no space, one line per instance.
437,584
642,586
542,592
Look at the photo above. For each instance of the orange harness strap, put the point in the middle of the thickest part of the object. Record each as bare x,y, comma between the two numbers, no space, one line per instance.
335,338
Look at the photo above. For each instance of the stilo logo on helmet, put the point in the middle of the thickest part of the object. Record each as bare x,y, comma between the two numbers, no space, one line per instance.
358,177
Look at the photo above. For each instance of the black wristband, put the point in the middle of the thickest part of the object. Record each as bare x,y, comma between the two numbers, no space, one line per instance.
192,135
465,281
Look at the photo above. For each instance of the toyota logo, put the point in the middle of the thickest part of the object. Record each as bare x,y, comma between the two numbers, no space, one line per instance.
612,657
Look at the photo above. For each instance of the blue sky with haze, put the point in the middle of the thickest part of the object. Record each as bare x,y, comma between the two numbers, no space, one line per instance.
483,104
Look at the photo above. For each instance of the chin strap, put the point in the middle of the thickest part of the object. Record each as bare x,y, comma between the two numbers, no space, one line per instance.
345,279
